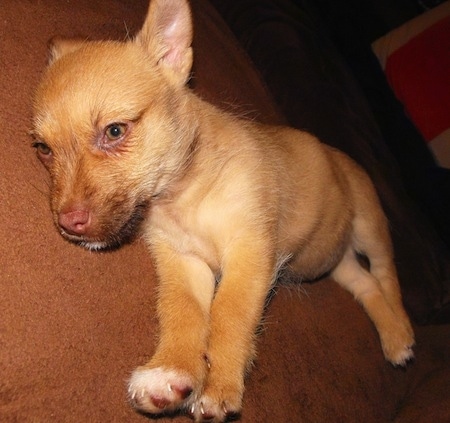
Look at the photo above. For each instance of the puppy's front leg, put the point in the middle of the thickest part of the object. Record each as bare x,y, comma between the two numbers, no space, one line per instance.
174,376
248,273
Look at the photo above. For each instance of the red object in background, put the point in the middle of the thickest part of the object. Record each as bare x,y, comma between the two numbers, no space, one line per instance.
419,72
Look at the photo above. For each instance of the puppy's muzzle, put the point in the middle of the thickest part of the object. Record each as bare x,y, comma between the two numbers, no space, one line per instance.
82,225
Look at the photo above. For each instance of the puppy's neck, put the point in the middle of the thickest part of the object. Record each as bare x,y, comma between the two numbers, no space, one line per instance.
205,148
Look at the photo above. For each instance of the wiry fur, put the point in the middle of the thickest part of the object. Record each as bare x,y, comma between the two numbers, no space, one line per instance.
221,203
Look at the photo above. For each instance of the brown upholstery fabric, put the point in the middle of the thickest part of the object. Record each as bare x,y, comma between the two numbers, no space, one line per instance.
73,324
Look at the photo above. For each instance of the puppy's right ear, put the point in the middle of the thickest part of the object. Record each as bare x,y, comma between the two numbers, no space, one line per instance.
166,37
59,47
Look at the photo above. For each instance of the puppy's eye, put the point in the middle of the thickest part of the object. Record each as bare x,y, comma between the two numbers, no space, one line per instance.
42,149
113,136
115,131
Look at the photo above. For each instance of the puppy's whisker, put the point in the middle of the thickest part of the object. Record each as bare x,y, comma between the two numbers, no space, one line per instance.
39,190
127,36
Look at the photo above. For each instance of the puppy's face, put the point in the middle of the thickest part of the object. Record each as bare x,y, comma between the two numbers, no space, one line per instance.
110,126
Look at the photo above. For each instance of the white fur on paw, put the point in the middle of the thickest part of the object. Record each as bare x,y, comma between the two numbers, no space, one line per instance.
159,390
399,348
207,409
402,356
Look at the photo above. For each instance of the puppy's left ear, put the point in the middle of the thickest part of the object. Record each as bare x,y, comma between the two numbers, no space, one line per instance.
59,47
166,37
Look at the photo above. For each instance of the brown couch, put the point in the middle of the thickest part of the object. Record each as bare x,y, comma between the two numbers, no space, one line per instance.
74,323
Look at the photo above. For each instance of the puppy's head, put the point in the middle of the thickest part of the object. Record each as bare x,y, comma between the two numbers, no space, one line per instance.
111,126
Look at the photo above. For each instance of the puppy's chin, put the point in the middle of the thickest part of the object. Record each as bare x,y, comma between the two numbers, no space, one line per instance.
112,238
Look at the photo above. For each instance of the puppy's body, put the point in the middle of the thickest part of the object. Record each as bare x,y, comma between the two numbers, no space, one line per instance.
241,179
221,202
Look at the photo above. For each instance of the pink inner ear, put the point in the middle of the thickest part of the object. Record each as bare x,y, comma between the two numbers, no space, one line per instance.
173,57
176,35
167,35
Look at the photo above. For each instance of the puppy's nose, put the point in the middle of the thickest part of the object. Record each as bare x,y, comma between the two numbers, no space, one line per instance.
75,222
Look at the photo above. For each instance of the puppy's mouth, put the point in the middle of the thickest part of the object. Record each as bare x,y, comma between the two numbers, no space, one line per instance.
111,235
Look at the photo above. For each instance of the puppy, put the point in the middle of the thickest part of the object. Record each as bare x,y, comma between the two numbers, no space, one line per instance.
221,202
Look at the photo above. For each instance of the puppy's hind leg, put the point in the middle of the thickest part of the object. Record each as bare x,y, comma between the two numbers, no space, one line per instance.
378,289
372,238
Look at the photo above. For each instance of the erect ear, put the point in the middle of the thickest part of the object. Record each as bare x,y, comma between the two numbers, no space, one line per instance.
166,37
59,47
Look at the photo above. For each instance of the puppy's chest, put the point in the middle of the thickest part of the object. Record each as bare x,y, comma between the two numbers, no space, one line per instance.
187,230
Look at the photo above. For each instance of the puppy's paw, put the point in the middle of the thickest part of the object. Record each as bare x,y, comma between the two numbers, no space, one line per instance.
159,390
216,408
398,346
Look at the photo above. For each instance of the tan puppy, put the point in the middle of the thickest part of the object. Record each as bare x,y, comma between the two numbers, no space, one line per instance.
221,202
